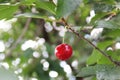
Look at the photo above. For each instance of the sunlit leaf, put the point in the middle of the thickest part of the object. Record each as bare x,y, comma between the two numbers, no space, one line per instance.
104,60
27,2
7,11
94,57
32,15
46,6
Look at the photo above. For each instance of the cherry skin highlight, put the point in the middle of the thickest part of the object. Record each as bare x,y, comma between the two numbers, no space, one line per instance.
63,51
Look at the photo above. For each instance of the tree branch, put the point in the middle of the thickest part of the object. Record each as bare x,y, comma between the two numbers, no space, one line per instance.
81,37
20,37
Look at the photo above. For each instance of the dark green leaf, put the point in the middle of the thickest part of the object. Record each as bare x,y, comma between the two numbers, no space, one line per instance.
107,24
7,11
113,33
27,54
107,72
66,7
102,7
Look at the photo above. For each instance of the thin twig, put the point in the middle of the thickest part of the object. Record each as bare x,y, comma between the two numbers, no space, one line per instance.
20,37
81,37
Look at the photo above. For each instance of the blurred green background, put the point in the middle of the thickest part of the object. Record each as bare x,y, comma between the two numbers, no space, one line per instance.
31,29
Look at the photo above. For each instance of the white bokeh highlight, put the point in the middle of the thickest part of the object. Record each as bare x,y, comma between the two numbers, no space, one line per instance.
5,65
6,25
36,54
75,64
48,27
2,46
34,44
92,14
96,33
53,74
62,31
45,66
2,56
117,45
16,62
28,44
45,54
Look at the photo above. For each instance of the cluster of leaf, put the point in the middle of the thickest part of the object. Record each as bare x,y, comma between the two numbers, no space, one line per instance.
107,16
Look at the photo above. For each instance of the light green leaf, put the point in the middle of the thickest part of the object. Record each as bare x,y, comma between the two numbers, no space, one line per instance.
32,15
7,11
104,60
27,2
94,57
7,74
107,72
46,5
66,7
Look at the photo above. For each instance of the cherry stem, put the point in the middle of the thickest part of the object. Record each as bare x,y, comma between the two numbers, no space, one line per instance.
64,35
98,49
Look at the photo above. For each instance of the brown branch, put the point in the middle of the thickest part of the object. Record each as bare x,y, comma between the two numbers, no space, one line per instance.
81,37
20,37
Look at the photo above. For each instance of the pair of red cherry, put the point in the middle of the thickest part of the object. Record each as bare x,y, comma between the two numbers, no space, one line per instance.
63,51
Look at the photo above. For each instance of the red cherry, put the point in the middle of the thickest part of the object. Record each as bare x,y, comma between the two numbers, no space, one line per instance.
63,51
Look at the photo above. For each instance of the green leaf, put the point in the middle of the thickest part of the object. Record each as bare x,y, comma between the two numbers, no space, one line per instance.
96,1
27,2
98,17
66,7
113,33
94,57
104,60
103,46
46,6
7,74
32,15
102,7
107,72
27,54
84,11
114,54
7,11
107,24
